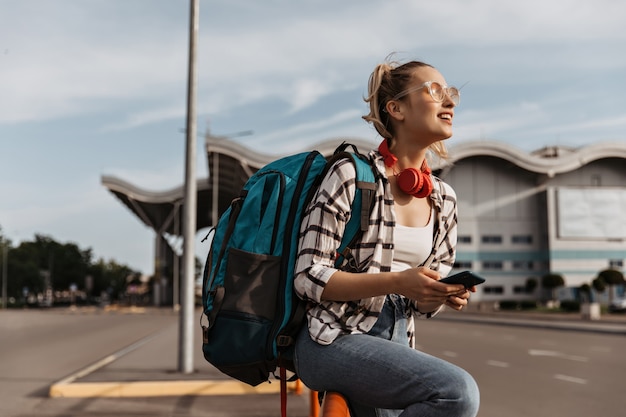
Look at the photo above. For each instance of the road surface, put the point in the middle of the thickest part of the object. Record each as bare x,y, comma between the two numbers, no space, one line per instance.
520,371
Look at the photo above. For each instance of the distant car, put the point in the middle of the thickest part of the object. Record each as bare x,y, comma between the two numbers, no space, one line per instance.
618,305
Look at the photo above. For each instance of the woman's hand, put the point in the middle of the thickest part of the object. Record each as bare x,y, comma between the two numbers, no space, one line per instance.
422,285
457,302
419,284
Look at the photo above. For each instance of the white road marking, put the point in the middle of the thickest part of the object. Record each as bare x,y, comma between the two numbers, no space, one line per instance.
450,354
555,354
498,364
105,361
568,378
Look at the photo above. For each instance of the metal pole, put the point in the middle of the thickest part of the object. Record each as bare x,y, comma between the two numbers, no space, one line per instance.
5,251
216,184
176,258
185,354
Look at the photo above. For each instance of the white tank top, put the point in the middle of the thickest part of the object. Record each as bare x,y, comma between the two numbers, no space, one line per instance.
412,245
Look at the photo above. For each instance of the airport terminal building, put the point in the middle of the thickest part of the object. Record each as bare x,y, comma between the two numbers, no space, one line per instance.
521,215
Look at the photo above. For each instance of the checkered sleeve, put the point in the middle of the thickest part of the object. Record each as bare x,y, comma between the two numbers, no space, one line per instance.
321,230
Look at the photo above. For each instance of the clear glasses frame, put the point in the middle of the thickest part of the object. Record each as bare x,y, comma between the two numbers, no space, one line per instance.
437,91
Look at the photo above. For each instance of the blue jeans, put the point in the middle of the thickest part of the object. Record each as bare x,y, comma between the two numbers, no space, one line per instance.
379,370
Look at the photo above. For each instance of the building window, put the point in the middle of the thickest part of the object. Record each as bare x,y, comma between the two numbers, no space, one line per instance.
492,265
493,290
463,265
616,263
545,265
492,239
464,239
522,265
518,289
522,239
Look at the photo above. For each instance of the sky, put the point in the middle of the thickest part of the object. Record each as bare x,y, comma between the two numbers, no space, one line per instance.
99,87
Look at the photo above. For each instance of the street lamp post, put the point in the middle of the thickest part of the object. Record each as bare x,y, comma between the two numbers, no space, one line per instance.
5,253
185,353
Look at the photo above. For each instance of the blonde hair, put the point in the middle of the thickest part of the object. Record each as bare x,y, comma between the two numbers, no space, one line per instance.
386,81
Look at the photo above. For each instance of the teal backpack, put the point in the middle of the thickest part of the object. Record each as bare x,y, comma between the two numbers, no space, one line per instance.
253,312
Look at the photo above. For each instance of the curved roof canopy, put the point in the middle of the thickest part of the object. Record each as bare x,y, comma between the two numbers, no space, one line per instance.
550,160
231,164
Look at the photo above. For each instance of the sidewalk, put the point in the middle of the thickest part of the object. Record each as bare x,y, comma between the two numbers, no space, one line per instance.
148,368
607,324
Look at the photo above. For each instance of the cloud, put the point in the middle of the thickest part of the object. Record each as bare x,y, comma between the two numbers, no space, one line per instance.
60,65
33,209
493,22
307,92
300,136
489,122
142,118
83,58
115,73
580,132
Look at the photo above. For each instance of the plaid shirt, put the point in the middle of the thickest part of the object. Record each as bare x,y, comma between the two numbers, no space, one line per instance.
320,236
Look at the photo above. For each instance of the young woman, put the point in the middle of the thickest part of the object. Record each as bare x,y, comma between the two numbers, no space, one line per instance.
360,335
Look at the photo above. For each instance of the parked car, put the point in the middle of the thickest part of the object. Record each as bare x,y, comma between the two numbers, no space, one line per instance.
618,305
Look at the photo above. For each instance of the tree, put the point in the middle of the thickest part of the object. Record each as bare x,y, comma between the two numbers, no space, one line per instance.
611,277
7,271
598,284
65,263
531,284
45,263
110,277
23,272
586,294
551,282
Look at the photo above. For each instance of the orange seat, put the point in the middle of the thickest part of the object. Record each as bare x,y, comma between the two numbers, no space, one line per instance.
334,405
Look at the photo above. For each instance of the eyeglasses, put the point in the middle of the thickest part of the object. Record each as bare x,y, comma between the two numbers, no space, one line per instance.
437,92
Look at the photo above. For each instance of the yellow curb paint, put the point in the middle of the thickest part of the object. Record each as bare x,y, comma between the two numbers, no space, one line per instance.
161,388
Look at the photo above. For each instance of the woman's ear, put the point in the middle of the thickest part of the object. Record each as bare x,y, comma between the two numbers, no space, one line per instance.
394,109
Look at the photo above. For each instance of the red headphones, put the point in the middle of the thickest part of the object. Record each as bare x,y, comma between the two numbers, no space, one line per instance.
411,181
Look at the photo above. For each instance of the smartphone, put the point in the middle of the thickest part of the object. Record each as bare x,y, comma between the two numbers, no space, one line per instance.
467,278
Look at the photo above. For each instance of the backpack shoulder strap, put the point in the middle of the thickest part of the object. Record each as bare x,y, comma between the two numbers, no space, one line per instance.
366,185
362,203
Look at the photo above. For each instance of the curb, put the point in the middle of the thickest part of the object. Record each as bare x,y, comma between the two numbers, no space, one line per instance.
69,388
160,389
591,327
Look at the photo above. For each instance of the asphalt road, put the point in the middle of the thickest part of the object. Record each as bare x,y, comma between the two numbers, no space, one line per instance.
535,372
39,347
520,371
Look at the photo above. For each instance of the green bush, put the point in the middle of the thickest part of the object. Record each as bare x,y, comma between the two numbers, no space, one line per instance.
570,305
527,305
509,305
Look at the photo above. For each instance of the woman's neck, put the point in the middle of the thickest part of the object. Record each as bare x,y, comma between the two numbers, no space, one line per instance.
409,155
